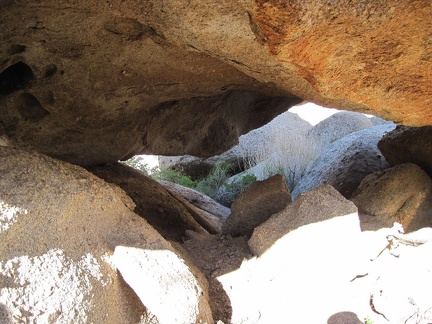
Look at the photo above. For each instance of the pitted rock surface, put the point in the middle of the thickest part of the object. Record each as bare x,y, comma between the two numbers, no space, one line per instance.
102,81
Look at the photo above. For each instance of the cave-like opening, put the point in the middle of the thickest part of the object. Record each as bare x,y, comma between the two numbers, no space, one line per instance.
15,77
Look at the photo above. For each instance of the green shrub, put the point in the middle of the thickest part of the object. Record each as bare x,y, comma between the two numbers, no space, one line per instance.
216,178
237,187
368,320
175,176
165,174
234,186
209,185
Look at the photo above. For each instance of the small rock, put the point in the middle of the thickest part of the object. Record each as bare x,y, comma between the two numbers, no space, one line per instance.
254,206
400,194
317,205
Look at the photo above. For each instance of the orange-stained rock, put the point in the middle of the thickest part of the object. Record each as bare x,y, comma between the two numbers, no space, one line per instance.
97,82
374,53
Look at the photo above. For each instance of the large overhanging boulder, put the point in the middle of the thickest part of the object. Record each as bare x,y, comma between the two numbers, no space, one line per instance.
93,82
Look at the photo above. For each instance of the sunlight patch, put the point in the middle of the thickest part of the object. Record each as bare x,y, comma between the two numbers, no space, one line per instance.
162,281
9,215
48,288
90,265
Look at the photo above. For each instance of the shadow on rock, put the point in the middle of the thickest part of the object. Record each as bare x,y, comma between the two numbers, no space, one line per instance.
153,202
316,206
399,194
4,314
216,255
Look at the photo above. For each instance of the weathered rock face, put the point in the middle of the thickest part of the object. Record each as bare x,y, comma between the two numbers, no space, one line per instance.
400,194
91,84
408,145
163,282
101,81
355,52
59,227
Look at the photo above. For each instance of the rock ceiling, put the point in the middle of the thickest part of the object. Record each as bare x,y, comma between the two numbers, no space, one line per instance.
93,82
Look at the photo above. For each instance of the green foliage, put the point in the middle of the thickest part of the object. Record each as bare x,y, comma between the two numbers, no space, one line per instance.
240,186
226,194
209,185
368,320
156,173
247,180
215,184
217,176
173,176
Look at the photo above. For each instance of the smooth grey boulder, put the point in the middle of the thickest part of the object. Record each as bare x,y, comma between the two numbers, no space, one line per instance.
251,147
338,126
346,162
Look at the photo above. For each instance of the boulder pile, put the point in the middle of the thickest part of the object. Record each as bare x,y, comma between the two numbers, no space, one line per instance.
337,229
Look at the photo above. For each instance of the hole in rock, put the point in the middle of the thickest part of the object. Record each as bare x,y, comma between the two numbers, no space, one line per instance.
289,145
310,145
30,108
15,77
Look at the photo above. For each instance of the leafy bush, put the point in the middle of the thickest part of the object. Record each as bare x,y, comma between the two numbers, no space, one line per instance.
237,187
166,174
173,176
215,184
214,179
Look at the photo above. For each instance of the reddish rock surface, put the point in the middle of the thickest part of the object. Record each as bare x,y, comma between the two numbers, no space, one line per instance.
357,51
96,82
